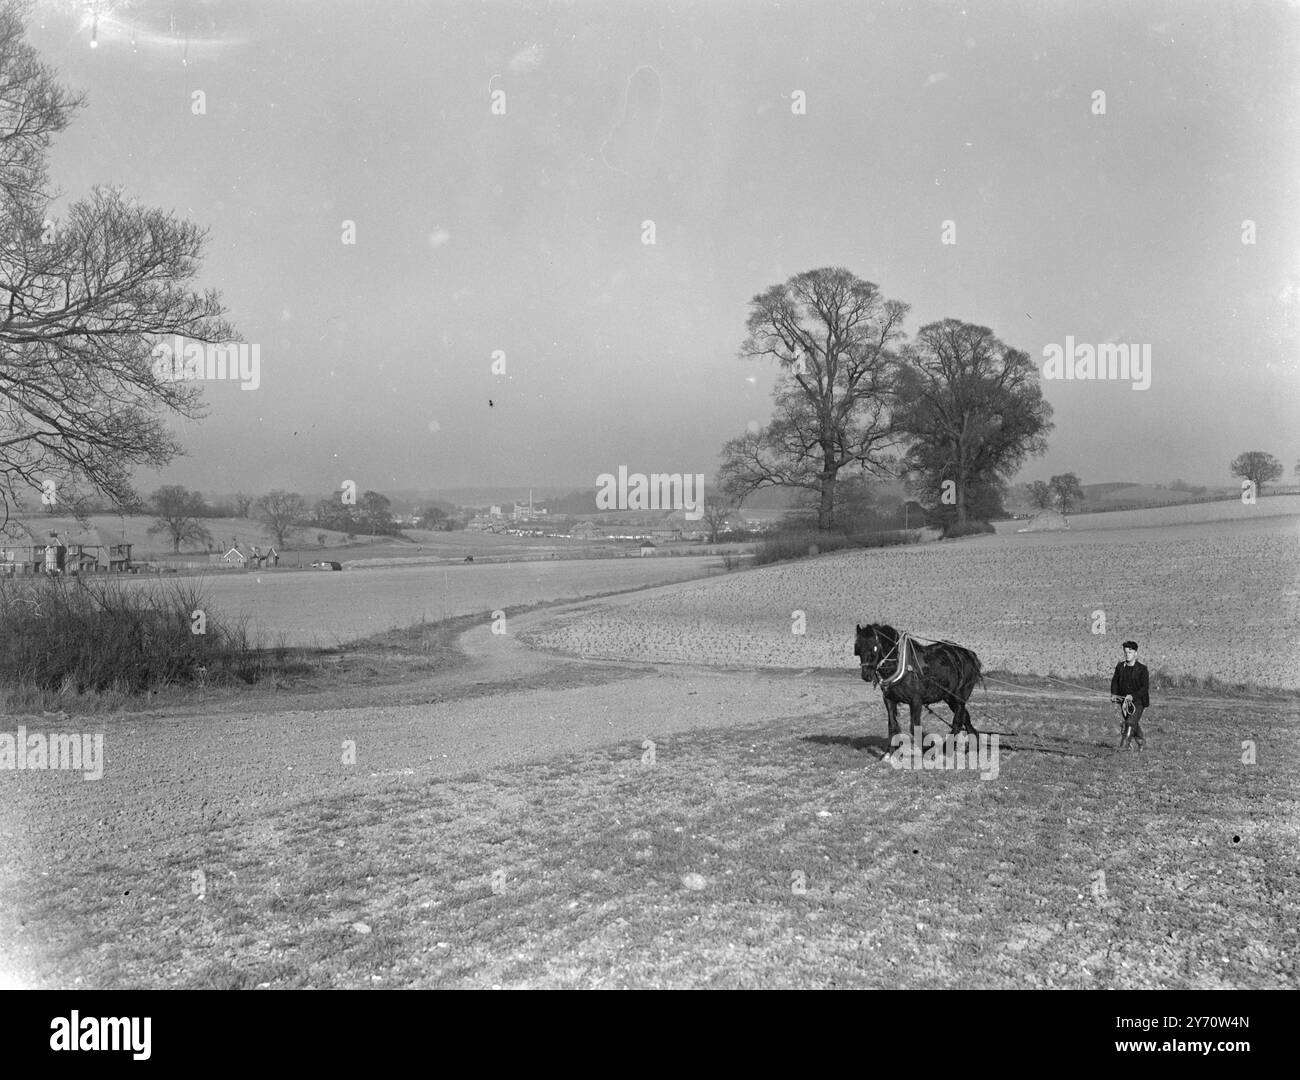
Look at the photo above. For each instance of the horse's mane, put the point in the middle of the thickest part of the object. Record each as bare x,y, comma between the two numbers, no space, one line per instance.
885,631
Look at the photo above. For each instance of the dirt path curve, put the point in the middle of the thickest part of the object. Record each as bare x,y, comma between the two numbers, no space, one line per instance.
169,775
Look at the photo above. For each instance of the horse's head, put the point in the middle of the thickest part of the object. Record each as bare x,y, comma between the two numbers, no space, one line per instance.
871,646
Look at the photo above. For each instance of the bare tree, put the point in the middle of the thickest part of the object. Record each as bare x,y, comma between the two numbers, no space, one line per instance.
714,515
1257,467
1067,491
1041,495
243,504
973,410
82,303
177,513
280,512
833,335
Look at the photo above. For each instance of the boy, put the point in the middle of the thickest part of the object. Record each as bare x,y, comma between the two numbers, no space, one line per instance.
1129,690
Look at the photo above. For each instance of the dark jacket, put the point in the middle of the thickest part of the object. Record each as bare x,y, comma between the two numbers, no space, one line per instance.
1131,680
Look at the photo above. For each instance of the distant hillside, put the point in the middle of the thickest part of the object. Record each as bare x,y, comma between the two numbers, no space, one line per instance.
1094,492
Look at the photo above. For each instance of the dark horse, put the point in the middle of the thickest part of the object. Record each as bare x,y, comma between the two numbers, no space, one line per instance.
947,673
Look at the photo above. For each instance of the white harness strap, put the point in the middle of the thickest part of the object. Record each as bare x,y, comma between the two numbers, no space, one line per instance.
904,643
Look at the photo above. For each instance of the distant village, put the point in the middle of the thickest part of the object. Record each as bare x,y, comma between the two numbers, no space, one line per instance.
535,519
85,551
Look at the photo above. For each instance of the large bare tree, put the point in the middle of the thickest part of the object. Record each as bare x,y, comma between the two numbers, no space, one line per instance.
83,301
833,336
281,513
972,410
177,512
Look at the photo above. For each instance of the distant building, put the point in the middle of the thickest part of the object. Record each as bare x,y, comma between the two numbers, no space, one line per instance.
527,512
76,553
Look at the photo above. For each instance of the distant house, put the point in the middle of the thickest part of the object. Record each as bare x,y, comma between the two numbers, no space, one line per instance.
234,557
647,548
83,552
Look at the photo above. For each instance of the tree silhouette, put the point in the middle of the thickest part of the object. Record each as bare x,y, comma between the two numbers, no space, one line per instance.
833,336
86,298
1257,467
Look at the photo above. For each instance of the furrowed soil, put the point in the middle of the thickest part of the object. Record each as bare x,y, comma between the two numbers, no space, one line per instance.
523,818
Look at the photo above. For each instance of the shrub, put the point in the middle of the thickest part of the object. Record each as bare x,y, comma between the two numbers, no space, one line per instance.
971,528
799,544
78,635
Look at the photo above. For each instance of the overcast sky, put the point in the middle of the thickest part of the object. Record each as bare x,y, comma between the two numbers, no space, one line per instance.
522,232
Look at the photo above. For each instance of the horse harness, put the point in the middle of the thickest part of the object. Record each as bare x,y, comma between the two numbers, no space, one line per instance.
910,659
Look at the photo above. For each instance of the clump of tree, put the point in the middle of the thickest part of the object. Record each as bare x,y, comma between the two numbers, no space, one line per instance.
1063,492
369,514
438,519
955,412
177,512
1257,467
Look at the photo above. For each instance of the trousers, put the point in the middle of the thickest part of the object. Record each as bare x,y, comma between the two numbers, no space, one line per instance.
1130,727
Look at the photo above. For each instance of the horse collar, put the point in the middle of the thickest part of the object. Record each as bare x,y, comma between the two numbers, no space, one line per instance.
903,644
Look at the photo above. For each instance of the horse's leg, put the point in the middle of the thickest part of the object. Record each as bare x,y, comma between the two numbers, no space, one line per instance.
965,718
954,703
891,708
915,705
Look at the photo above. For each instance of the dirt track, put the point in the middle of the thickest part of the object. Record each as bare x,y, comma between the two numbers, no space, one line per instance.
167,777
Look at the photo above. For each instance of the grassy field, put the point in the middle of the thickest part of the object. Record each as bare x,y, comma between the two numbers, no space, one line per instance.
325,609
783,855
1219,599
1228,511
